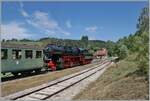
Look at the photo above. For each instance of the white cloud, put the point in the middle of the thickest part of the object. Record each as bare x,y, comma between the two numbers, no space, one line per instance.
91,29
23,12
13,30
68,24
42,21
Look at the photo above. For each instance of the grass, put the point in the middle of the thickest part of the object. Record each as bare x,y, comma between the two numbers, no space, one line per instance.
19,85
117,83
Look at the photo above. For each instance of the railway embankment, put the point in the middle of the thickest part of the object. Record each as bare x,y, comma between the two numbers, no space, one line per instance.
17,85
117,82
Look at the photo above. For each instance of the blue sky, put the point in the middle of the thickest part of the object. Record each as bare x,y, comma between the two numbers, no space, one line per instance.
70,20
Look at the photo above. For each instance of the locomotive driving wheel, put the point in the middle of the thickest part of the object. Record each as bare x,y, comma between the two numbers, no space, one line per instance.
15,74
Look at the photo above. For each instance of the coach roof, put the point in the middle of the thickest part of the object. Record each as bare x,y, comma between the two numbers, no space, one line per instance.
20,46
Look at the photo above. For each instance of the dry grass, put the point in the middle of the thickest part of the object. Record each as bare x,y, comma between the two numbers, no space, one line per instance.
19,85
117,83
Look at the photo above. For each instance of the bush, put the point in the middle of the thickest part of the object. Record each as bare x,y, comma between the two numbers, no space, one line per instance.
121,51
143,60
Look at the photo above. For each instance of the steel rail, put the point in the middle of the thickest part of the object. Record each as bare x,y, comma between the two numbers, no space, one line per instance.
59,81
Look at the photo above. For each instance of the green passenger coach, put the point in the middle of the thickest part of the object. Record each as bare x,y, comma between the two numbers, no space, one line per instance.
21,58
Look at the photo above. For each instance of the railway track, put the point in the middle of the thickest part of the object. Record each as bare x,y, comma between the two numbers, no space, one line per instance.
12,78
50,89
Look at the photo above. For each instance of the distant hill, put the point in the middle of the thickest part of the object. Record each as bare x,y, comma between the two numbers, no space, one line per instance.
92,45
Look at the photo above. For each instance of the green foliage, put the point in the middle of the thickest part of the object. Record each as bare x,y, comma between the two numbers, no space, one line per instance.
14,39
84,41
143,64
121,51
110,47
142,42
26,40
84,38
139,43
3,40
143,21
143,55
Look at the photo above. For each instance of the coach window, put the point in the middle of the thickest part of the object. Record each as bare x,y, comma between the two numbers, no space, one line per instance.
16,54
28,54
38,54
4,54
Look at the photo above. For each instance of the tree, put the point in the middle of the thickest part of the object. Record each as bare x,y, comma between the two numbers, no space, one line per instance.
110,47
143,54
14,39
138,43
84,41
3,40
26,40
143,21
143,33
121,51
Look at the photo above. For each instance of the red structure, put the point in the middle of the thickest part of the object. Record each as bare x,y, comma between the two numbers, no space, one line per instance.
52,65
102,53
